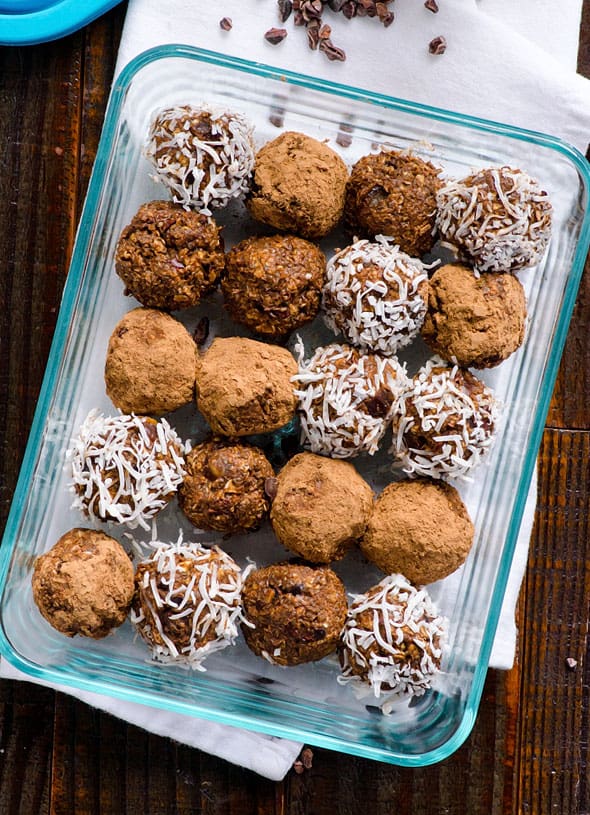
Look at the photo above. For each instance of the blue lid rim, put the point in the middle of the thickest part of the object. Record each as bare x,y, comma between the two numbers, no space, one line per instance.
61,18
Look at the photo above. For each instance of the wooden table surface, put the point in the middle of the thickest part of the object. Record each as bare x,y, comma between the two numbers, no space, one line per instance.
528,752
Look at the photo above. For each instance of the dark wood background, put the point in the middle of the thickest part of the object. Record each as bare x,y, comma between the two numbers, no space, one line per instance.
528,752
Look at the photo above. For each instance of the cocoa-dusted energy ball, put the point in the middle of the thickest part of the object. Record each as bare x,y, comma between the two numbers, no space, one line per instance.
298,186
393,640
84,584
419,528
375,295
273,284
294,613
346,399
321,507
187,602
477,321
205,156
498,219
224,486
125,468
393,193
445,423
169,257
244,386
150,364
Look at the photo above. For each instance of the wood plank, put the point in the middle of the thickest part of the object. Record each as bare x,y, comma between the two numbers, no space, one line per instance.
552,772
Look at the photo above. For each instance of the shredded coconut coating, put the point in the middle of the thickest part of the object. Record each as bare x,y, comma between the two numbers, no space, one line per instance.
499,219
346,399
205,156
375,295
393,640
445,423
124,468
188,602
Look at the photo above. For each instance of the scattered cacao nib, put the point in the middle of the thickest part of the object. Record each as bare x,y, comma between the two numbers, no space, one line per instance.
307,757
330,50
431,5
571,663
385,16
201,331
325,32
336,5
285,9
437,46
270,487
225,23
313,34
277,117
275,35
343,138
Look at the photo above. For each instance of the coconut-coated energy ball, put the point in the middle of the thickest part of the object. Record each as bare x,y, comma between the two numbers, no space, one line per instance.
321,507
445,422
346,399
393,640
419,528
298,186
203,155
475,320
499,219
224,486
244,386
150,364
294,613
375,295
187,602
393,193
84,584
169,257
272,285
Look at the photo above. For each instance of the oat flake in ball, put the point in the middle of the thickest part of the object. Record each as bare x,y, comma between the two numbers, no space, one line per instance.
346,399
272,285
169,257
375,295
393,640
204,156
445,423
499,219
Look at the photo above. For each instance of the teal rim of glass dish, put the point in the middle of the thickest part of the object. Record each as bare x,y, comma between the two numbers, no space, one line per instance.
29,22
249,721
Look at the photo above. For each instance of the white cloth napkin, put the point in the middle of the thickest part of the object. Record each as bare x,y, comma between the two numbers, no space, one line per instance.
505,60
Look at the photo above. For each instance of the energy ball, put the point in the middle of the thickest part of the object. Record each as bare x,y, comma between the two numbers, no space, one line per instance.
84,584
393,193
294,613
346,399
420,529
272,285
321,507
150,364
498,219
298,186
187,602
224,486
477,321
125,468
393,640
375,295
203,155
244,387
445,423
169,257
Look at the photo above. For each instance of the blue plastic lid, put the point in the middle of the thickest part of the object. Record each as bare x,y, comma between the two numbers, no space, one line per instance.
27,22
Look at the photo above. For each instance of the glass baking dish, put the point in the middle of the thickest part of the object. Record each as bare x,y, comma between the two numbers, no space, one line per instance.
304,702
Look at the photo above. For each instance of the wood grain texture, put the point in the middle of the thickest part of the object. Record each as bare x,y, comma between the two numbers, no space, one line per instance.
528,752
